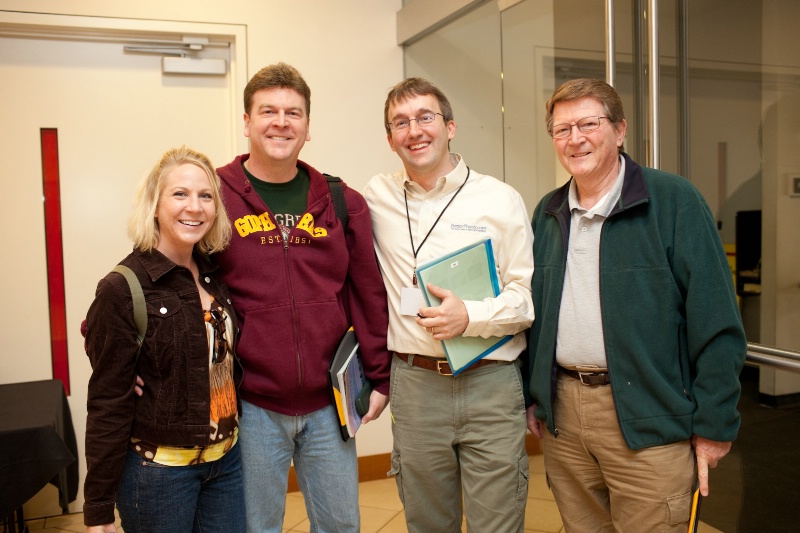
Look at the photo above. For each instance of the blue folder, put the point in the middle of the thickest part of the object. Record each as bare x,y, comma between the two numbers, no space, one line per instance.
470,273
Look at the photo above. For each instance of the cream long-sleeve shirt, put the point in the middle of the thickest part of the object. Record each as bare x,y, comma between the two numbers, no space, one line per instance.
485,207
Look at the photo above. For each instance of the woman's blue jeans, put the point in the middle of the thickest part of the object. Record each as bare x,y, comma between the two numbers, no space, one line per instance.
207,497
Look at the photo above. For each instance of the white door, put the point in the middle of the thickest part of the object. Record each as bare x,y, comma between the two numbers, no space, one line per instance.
115,114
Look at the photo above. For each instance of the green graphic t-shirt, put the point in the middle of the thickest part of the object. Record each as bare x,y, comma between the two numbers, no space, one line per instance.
287,201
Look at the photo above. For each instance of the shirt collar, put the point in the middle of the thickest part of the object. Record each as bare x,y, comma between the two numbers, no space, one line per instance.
607,202
444,185
157,264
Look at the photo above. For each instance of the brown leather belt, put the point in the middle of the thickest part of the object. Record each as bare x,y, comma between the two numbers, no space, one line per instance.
441,366
587,378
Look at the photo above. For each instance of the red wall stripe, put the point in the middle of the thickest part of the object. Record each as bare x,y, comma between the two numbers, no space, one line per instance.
55,256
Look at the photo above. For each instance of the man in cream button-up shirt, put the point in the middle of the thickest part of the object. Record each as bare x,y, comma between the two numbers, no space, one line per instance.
463,435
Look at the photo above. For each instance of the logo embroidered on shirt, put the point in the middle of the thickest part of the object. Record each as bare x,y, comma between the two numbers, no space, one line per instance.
468,227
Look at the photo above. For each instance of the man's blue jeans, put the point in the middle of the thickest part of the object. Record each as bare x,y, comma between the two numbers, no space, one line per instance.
207,497
326,467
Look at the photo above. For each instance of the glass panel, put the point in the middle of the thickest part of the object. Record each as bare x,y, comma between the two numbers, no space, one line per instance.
499,68
744,126
545,43
743,148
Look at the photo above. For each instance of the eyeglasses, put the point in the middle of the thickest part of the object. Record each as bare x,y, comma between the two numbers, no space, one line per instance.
585,125
422,120
217,321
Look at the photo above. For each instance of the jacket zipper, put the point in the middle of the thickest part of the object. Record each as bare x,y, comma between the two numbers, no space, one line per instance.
602,321
554,364
295,320
295,328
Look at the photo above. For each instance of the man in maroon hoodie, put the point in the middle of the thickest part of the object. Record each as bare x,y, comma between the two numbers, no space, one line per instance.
298,281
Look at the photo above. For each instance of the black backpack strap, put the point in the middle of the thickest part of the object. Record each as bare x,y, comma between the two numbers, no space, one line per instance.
139,306
339,203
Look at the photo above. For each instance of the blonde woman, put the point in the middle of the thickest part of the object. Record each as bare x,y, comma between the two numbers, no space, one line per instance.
167,459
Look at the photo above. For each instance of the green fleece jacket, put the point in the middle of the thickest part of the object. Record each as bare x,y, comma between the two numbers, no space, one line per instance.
673,334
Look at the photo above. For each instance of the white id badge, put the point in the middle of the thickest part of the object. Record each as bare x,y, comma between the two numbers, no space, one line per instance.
411,300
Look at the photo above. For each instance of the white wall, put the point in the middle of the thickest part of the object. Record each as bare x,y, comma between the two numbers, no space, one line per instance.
347,52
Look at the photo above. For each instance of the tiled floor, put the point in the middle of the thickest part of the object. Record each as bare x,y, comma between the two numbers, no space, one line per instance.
381,510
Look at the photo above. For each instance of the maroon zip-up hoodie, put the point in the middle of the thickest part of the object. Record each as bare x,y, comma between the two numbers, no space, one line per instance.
296,299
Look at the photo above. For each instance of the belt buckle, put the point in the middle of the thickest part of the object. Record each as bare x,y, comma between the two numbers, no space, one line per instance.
580,376
439,368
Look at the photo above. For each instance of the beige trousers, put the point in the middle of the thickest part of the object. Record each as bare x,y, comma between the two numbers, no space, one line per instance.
600,485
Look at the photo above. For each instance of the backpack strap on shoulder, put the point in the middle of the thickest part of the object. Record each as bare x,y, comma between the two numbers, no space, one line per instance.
139,307
339,203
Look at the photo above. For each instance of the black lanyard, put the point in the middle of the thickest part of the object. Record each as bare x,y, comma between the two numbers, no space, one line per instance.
411,236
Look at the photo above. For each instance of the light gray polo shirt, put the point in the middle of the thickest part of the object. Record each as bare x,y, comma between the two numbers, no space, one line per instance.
580,328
